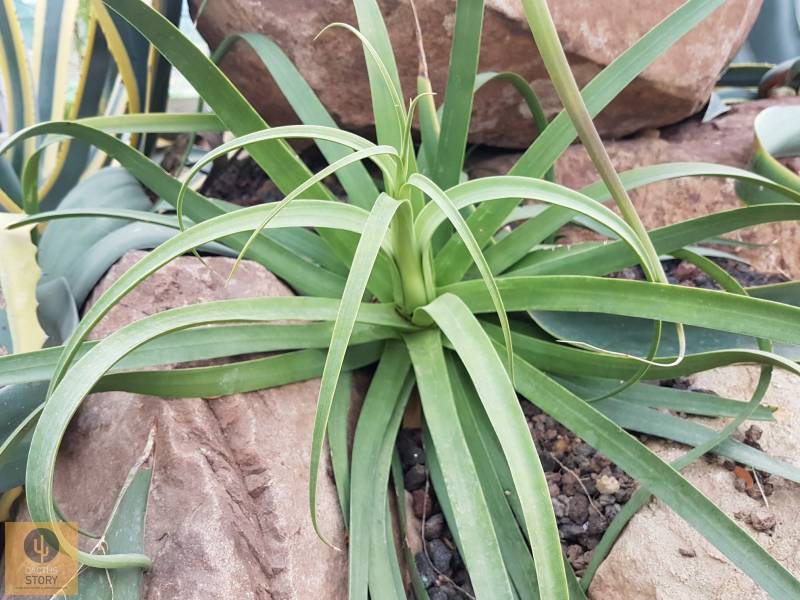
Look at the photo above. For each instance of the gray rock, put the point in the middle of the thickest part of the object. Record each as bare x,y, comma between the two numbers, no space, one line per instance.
440,555
426,571
578,509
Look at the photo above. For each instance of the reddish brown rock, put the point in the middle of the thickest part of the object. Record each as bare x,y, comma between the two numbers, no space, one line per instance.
593,34
727,140
228,513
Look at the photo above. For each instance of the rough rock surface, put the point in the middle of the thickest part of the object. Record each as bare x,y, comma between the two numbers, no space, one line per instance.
727,140
227,515
593,34
659,557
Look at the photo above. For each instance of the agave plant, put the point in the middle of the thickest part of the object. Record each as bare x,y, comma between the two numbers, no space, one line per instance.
118,72
415,274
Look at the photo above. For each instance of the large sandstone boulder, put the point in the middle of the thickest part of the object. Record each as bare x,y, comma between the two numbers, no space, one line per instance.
228,511
659,557
727,140
593,33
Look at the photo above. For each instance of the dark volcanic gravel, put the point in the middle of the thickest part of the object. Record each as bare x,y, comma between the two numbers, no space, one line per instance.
586,489
684,273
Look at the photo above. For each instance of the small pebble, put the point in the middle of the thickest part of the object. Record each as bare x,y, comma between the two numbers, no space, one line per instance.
578,509
559,506
687,552
434,527
411,453
440,556
439,594
605,500
611,511
572,532
762,519
584,450
425,568
415,477
461,577
753,433
606,484
597,524
574,552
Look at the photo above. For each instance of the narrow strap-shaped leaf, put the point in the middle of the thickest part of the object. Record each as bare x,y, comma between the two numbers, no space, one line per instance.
514,246
385,578
355,180
480,548
497,463
156,123
700,437
283,263
528,94
124,532
274,156
557,137
202,343
374,233
238,377
457,105
555,61
616,255
569,361
77,383
480,435
450,210
494,189
372,26
673,399
417,584
499,399
661,479
339,440
338,136
713,441
691,306
374,429
305,213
